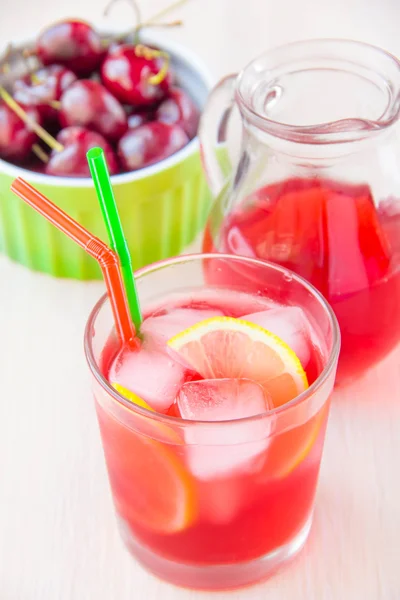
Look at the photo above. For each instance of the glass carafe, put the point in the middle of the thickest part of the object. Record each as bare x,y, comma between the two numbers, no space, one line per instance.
316,187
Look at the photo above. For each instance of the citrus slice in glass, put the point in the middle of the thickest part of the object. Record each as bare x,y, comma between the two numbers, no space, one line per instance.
152,487
131,396
224,347
152,428
288,450
234,348
151,484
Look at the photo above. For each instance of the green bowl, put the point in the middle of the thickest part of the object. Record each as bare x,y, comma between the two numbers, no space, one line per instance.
162,207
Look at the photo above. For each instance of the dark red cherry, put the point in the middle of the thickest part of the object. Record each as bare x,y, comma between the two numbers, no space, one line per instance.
72,43
129,76
149,144
42,88
38,167
179,108
16,138
88,104
72,162
68,135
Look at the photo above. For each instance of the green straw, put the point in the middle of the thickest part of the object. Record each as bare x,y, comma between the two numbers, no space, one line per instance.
105,194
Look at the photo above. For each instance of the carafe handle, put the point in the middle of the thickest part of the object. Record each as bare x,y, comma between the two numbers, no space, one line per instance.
212,131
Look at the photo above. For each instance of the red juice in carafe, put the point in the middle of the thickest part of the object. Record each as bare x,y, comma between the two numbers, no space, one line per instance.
332,234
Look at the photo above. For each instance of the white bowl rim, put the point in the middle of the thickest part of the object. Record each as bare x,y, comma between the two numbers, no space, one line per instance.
122,178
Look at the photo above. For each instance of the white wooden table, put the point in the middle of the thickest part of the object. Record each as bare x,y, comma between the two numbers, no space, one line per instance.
58,539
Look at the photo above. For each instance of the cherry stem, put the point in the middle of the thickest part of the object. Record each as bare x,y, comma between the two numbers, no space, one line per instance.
164,12
136,9
176,23
142,51
38,129
134,5
40,153
149,22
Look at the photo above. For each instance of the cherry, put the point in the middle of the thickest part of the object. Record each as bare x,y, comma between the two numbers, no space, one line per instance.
137,119
88,104
38,167
71,43
16,137
149,144
43,88
179,108
71,161
130,76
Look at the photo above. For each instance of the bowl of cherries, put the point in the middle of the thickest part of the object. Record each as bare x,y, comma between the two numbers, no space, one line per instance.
74,88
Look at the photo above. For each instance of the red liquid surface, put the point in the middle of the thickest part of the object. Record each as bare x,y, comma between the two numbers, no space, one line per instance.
237,517
333,235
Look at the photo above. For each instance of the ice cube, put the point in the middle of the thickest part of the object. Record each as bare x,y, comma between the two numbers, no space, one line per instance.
218,450
151,374
290,324
160,329
222,399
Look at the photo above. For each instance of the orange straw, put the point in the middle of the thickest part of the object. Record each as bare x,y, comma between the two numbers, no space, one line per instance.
107,259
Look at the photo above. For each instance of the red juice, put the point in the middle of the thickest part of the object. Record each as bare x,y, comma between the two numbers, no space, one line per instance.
230,516
332,234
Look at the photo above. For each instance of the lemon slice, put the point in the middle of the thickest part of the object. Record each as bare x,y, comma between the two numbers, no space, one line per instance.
224,347
155,490
152,487
131,396
150,427
288,450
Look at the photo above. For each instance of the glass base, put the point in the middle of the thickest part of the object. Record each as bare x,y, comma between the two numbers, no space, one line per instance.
215,577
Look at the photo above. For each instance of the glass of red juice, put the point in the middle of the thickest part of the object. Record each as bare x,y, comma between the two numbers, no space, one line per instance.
214,478
317,185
